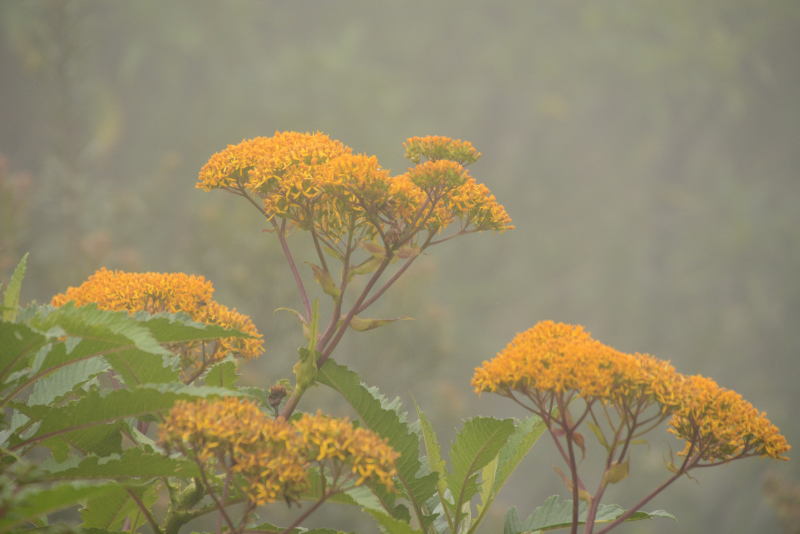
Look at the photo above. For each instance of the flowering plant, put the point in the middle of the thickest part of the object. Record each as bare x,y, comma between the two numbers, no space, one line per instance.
129,380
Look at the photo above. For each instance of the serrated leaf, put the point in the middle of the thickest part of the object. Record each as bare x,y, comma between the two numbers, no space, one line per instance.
433,450
386,420
135,367
223,374
110,510
357,496
98,439
390,525
18,343
103,407
526,433
180,328
131,464
32,503
65,380
11,294
554,516
475,446
88,321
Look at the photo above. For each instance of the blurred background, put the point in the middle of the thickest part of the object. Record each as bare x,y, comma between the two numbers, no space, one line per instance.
647,152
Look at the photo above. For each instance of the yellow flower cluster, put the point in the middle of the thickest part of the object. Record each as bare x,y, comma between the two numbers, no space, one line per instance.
263,451
274,456
559,359
368,456
262,163
167,292
434,147
318,183
719,425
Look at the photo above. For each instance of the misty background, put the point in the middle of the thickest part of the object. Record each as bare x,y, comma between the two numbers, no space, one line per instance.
647,153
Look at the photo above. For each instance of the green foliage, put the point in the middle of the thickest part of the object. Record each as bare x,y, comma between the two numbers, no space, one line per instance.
31,504
554,515
11,293
388,421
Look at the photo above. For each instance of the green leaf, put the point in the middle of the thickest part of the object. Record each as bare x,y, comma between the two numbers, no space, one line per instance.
325,280
99,439
475,446
360,496
362,325
617,472
390,525
368,266
110,510
387,420
433,449
131,464
18,343
90,322
33,502
526,433
11,294
598,433
496,473
553,516
435,461
223,374
102,407
180,328
136,367
333,252
65,380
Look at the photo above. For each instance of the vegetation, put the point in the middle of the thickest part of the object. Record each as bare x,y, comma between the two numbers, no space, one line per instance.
91,375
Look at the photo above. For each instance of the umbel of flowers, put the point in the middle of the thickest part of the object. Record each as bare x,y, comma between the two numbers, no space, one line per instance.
271,459
547,367
357,214
171,293
319,185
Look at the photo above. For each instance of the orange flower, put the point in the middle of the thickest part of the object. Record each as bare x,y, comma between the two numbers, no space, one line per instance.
368,456
562,360
266,452
318,184
168,292
437,148
719,425
272,455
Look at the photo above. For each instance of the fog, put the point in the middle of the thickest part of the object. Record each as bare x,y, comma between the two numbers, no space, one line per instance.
647,153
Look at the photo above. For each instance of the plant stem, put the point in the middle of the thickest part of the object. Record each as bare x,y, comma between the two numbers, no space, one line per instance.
150,519
281,231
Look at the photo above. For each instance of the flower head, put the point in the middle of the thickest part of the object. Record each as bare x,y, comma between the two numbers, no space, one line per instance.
272,455
319,185
367,456
562,360
167,292
559,358
719,425
265,452
437,147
